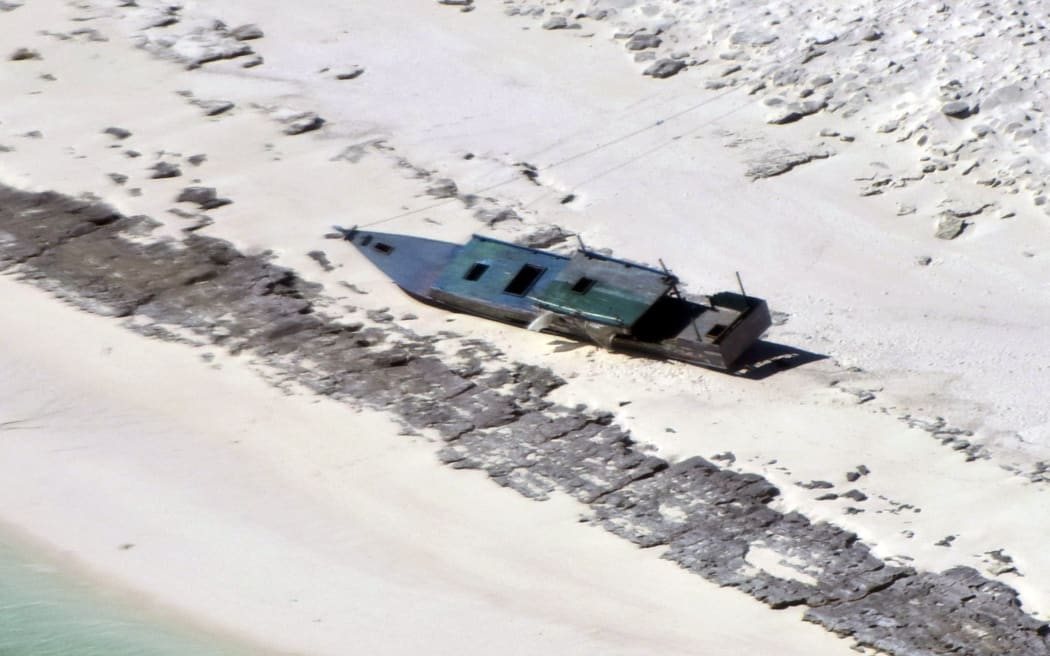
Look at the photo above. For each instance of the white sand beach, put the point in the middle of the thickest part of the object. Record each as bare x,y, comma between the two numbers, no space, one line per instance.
305,526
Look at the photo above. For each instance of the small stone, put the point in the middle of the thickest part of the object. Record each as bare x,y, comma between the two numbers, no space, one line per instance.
304,123
443,188
246,32
252,62
752,38
950,226
643,41
784,115
888,126
197,160
119,133
924,260
351,73
25,54
817,485
118,178
856,495
205,197
214,107
556,23
165,170
665,68
322,259
957,109
871,34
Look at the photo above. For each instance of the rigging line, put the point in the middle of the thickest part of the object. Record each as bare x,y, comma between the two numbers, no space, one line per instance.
621,138
641,155
644,128
570,158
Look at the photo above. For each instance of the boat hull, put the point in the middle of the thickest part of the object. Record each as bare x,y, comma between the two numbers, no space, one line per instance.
711,332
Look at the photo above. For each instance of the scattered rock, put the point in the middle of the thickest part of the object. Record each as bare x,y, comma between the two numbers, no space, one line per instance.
643,41
247,32
351,73
165,170
888,126
322,259
752,38
792,112
817,485
119,133
957,109
214,107
856,495
950,226
24,54
556,23
544,237
492,216
443,188
665,68
303,122
205,197
118,178
871,34
778,162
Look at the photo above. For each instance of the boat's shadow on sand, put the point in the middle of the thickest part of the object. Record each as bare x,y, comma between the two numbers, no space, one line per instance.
762,360
765,359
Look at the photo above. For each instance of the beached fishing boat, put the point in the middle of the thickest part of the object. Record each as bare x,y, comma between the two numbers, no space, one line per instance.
618,304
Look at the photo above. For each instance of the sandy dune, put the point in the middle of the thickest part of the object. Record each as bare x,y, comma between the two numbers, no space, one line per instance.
934,378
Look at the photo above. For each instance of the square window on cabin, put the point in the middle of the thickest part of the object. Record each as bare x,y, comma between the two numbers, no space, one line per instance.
524,280
476,271
583,285
385,249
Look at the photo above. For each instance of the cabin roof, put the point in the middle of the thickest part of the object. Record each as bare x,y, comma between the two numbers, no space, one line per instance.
499,272
604,289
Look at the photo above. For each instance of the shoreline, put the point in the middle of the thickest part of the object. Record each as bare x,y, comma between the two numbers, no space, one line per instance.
72,584
485,532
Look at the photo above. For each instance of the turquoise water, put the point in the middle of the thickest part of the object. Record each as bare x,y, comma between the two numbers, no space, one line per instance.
47,613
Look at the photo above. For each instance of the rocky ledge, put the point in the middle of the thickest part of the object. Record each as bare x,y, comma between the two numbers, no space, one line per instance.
494,415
